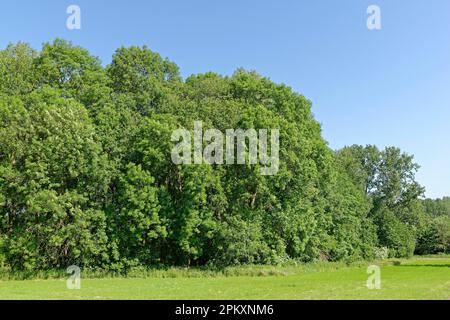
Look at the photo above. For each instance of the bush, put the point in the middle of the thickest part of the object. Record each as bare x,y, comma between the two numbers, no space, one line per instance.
381,253
435,236
398,237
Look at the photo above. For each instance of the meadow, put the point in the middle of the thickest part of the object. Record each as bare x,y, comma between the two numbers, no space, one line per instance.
416,278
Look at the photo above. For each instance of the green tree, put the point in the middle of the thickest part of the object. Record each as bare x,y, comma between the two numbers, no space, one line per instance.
387,178
52,175
86,174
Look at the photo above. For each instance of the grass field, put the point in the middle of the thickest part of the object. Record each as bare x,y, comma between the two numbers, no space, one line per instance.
417,278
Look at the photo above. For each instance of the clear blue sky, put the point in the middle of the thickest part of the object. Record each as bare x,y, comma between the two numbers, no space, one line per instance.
387,87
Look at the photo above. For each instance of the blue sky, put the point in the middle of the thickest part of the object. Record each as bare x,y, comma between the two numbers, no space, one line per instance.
383,87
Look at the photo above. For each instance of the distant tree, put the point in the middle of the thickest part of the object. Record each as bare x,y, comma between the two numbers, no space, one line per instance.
387,178
434,235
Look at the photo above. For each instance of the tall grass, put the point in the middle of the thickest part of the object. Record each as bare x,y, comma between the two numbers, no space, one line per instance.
285,269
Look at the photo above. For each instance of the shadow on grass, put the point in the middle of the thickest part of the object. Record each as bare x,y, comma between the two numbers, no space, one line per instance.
423,265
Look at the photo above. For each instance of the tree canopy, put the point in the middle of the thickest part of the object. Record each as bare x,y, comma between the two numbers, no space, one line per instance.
86,175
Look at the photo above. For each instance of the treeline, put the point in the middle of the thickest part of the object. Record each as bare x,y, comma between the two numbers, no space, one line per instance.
434,236
86,175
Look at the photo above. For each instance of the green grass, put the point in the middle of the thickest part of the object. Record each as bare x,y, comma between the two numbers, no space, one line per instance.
416,278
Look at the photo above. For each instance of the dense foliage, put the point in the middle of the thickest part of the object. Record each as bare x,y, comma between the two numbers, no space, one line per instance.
86,175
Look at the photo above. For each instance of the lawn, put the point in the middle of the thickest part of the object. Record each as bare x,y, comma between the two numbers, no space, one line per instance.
416,278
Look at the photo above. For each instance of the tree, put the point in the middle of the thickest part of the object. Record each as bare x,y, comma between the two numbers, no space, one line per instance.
74,71
143,75
17,71
434,234
387,178
86,175
52,177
